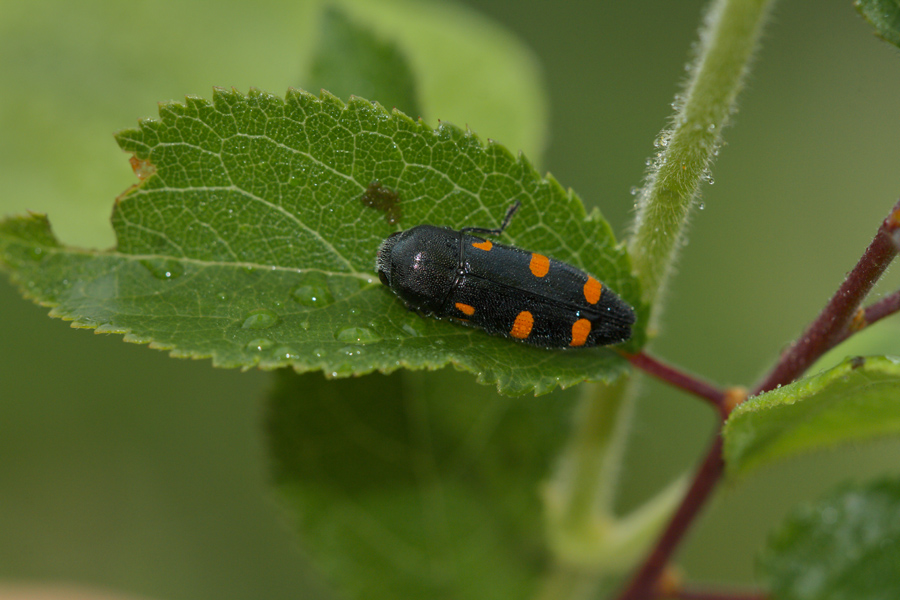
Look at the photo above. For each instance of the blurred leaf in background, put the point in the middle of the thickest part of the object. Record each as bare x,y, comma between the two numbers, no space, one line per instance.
841,547
416,485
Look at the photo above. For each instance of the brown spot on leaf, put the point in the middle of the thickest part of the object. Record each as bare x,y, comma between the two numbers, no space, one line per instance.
382,198
142,167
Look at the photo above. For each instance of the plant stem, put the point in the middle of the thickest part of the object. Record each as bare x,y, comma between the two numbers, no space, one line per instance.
580,494
727,40
716,595
873,313
820,336
678,378
643,584
885,307
829,327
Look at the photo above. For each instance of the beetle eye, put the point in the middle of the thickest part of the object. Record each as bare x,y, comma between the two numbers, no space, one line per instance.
384,278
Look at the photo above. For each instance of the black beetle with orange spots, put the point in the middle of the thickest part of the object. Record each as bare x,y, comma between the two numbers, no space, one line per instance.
502,289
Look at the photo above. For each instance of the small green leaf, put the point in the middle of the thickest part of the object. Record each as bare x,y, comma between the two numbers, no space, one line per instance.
884,15
844,547
251,206
856,401
414,486
350,60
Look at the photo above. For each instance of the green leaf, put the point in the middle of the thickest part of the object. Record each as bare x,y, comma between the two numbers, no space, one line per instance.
350,60
856,401
468,69
884,15
247,242
844,547
415,487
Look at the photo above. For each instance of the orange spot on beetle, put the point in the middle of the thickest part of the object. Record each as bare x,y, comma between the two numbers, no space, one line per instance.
486,245
592,289
580,330
521,329
465,309
540,265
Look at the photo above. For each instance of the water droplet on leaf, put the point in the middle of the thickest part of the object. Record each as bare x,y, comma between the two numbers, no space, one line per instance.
358,335
164,268
260,344
261,318
414,327
313,291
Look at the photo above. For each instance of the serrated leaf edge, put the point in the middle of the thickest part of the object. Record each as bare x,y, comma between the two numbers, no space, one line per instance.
222,97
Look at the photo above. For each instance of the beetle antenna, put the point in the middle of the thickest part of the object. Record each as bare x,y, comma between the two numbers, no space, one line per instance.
509,215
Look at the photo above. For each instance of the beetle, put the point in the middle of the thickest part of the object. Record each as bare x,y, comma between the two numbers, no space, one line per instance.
505,290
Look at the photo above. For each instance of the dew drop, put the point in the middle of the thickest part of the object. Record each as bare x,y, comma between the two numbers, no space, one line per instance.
261,318
415,327
634,190
701,206
357,335
313,291
260,344
282,353
164,268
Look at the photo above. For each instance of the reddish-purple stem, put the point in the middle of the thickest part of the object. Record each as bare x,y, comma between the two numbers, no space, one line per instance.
678,378
715,595
819,337
826,330
643,584
885,307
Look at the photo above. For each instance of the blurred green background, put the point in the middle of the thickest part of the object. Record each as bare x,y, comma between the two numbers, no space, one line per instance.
124,469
